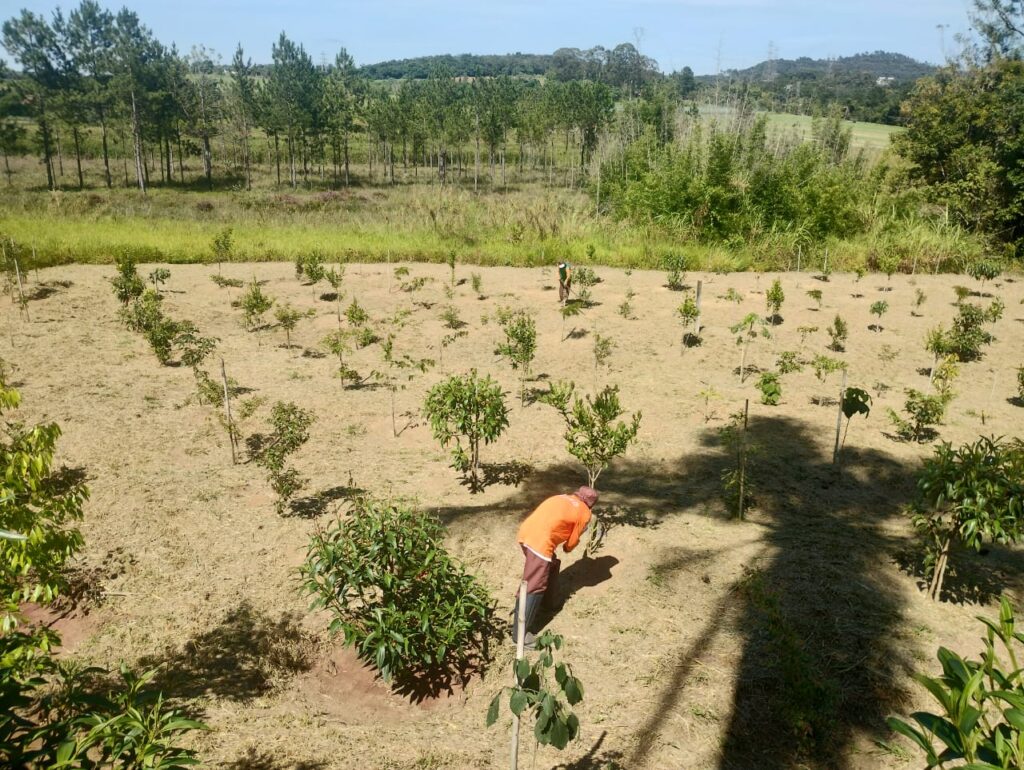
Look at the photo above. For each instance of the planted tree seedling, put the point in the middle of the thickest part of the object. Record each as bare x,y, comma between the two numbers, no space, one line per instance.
469,408
520,346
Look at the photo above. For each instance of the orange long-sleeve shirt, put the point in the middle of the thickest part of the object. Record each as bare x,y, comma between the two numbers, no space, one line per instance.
559,519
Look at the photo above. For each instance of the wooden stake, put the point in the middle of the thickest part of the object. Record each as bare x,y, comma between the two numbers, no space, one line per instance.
798,255
700,287
21,290
227,411
743,455
839,419
520,645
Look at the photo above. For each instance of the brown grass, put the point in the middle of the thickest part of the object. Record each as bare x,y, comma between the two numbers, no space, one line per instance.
702,642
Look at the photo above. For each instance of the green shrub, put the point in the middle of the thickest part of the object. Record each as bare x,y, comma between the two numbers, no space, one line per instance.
127,283
967,495
585,277
967,336
839,332
254,304
879,309
591,434
816,295
405,605
923,411
675,265
1020,383
270,451
984,270
981,701
771,388
470,408
355,314
520,345
789,362
774,298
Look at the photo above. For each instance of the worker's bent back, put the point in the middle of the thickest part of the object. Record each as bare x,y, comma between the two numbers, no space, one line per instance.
559,519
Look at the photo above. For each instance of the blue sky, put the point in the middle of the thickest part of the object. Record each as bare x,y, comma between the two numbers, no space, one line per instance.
698,33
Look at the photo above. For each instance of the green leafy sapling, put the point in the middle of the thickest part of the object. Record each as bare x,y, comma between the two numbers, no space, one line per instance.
288,318
477,282
519,347
789,362
271,451
468,409
402,602
816,295
919,298
335,278
356,315
159,277
544,691
967,496
984,270
254,304
771,388
592,434
977,722
855,401
923,411
450,317
748,330
774,298
879,309
675,264
838,332
127,283
603,347
397,372
221,246
689,314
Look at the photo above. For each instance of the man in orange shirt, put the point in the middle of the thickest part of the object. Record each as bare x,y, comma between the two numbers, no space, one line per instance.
559,520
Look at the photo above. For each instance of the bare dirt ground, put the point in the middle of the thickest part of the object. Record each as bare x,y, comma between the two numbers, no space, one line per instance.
702,642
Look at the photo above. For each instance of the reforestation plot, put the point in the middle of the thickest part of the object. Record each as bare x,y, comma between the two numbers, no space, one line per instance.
407,607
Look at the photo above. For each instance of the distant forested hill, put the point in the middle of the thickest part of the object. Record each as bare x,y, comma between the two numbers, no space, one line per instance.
464,64
877,64
867,86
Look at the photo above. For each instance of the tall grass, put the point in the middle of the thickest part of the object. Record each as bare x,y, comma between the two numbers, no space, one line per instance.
531,225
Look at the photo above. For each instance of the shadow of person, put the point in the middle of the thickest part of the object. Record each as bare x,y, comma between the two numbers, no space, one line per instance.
586,572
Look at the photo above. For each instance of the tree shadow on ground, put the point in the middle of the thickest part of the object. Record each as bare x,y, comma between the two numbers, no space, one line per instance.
317,504
971,577
510,474
820,622
267,760
243,657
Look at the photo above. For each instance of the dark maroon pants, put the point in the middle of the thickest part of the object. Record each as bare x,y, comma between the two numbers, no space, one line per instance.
541,576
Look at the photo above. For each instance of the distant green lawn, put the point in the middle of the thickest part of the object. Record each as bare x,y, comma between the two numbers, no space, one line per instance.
873,137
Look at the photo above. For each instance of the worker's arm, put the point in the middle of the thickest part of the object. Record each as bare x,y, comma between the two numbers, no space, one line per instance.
577,532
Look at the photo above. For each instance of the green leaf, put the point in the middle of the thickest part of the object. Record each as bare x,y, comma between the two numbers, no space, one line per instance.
573,690
518,702
492,710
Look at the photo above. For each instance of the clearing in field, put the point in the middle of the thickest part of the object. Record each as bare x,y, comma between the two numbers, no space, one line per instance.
782,640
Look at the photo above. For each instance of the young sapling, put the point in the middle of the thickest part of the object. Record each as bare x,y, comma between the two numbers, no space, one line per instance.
879,309
816,295
520,346
838,331
469,408
774,298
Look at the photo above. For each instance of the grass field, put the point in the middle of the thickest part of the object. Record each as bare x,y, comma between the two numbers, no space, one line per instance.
702,642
